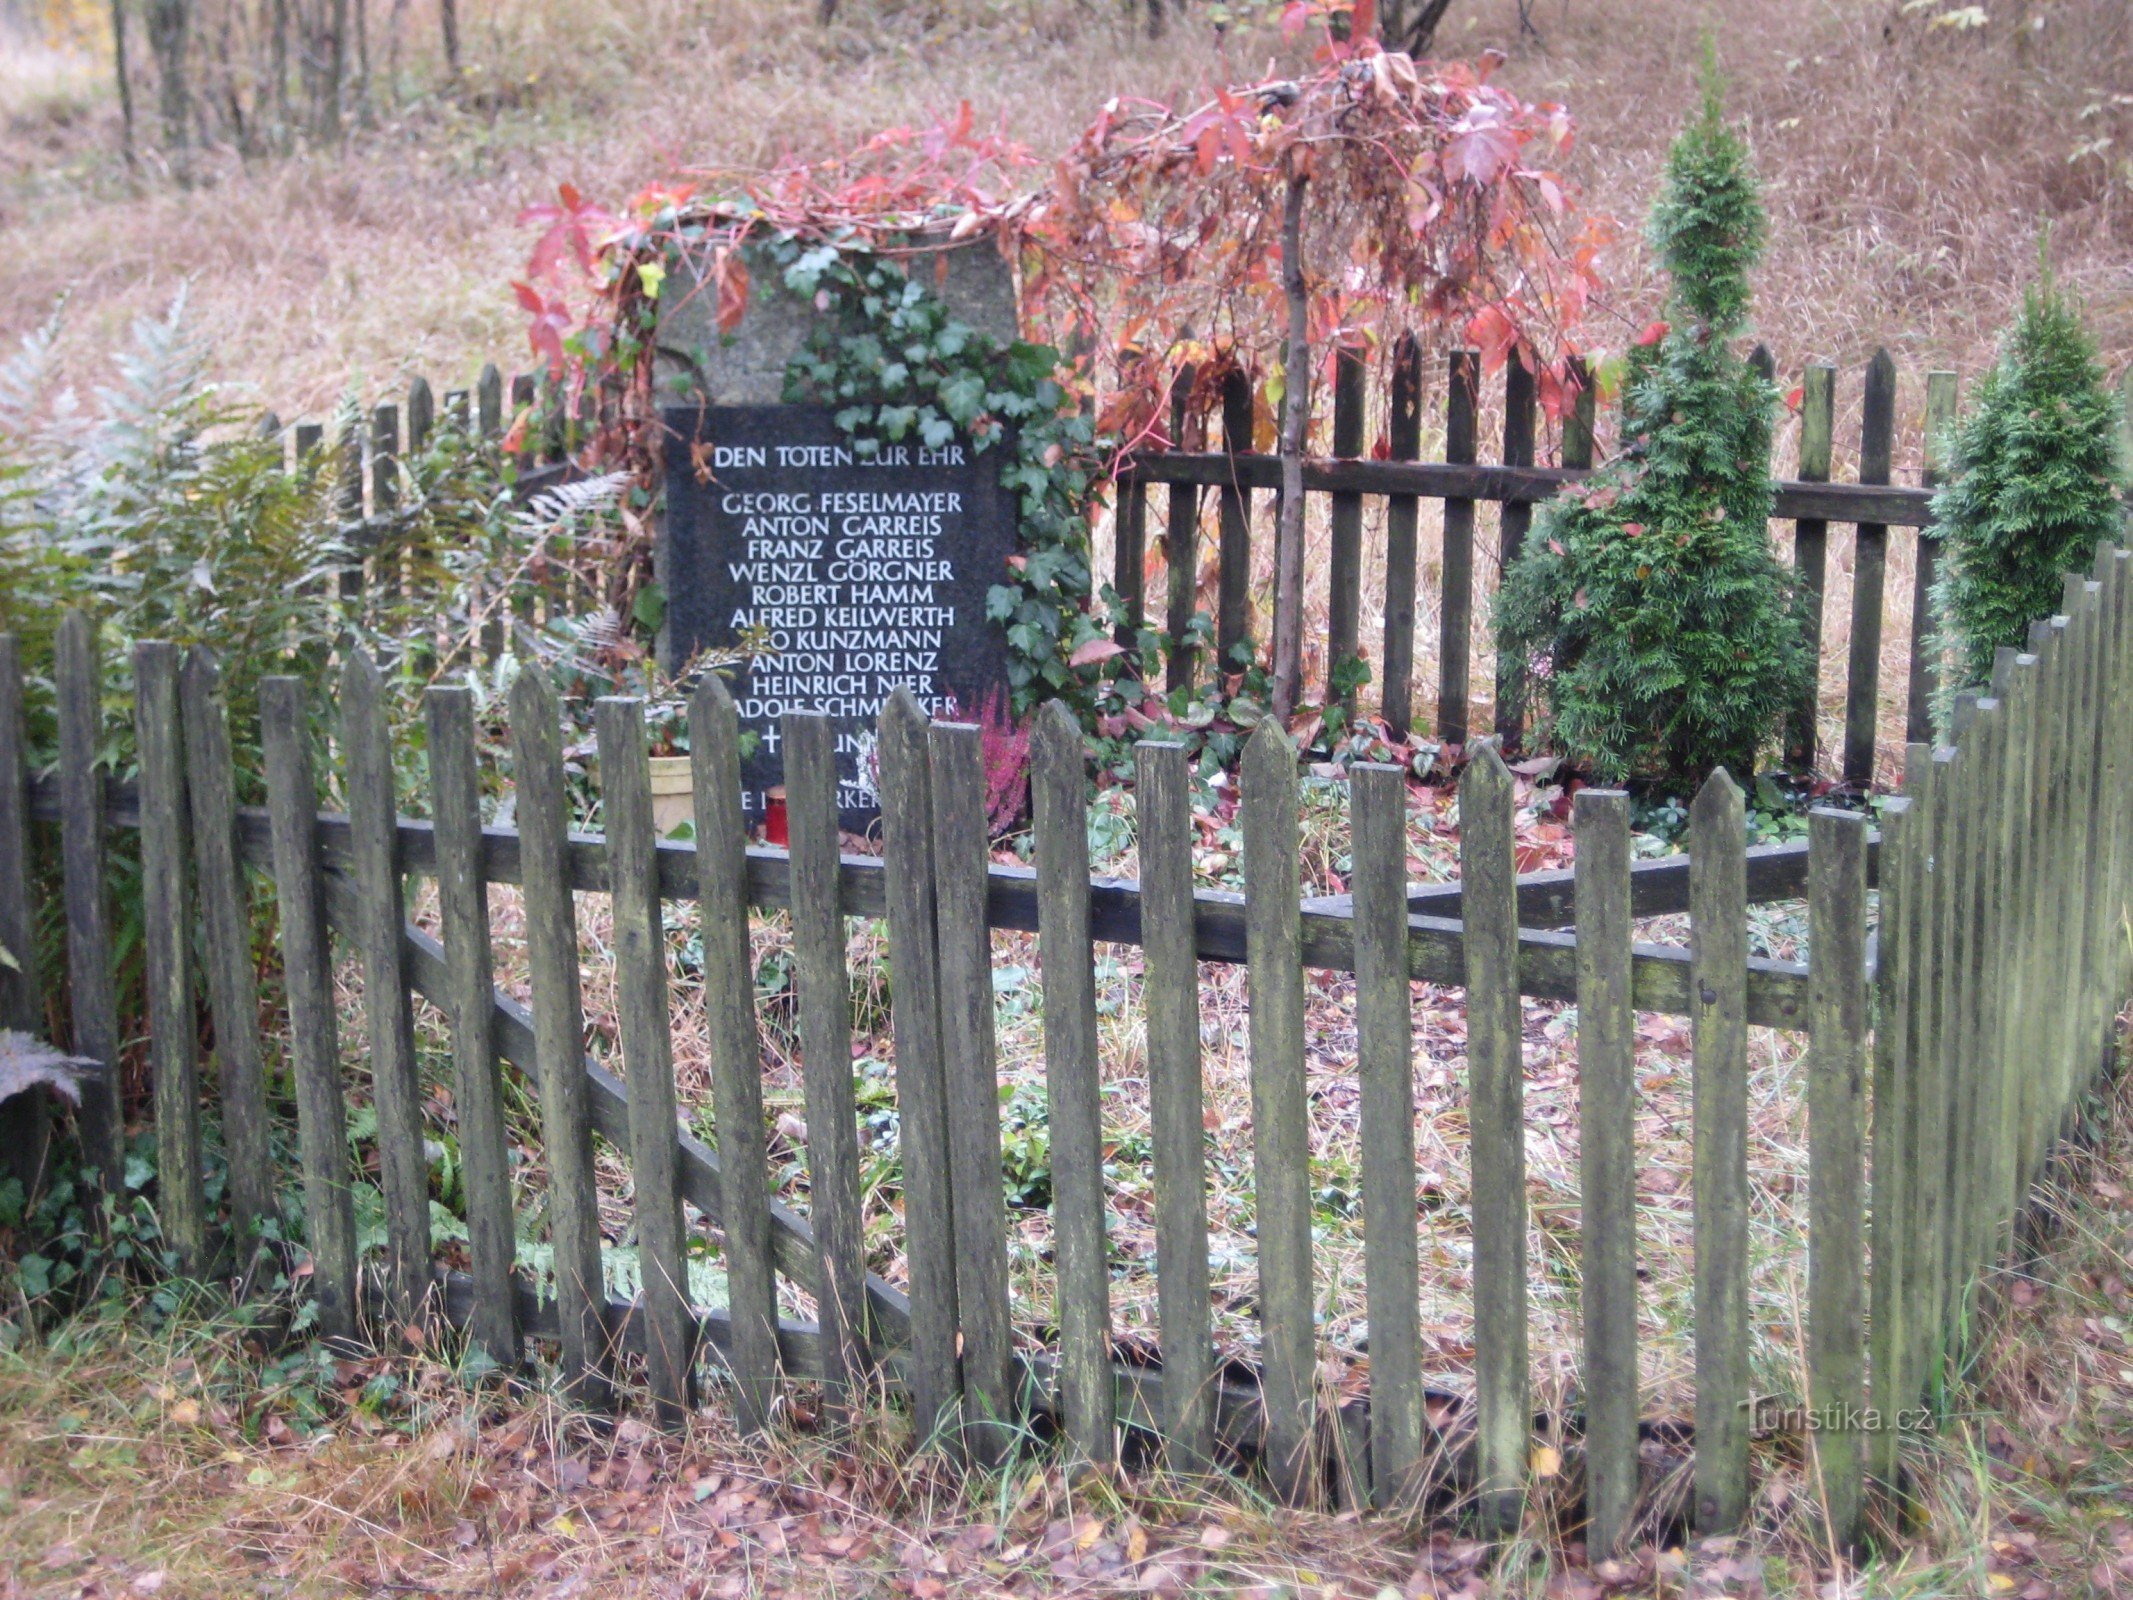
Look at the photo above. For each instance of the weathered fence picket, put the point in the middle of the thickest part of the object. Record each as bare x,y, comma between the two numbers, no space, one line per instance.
24,1124
1171,979
374,883
921,1088
736,1079
1607,1173
1496,1072
477,1080
1281,1134
307,978
1836,1114
166,934
1718,952
558,1026
1384,1049
226,921
1073,1083
647,1057
961,853
78,681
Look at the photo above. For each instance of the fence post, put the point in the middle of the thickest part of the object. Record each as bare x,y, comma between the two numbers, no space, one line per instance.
489,402
1810,551
307,976
384,458
1384,1059
1058,793
478,1092
1233,623
1129,567
1181,547
1607,1179
1455,636
1402,514
1281,1148
921,1088
1877,433
647,1057
1579,420
25,1123
1496,1094
1836,1113
375,888
1344,602
1515,518
1171,984
543,815
421,414
1894,1151
745,1186
961,860
225,914
167,937
79,674
1718,963
1925,626
1920,1105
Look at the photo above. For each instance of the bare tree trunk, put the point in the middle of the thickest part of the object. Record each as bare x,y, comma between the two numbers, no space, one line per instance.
362,82
125,80
1155,19
278,70
168,22
1295,419
325,47
448,16
1411,25
828,12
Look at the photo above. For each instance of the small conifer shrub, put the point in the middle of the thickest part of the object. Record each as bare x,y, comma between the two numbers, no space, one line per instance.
2034,473
1658,625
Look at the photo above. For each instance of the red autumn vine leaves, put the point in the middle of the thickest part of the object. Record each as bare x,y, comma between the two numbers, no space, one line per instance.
1154,242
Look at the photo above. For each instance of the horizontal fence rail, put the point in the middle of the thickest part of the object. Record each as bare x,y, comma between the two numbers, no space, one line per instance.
1993,956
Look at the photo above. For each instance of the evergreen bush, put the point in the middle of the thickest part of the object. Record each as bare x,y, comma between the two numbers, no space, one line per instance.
1658,624
2034,476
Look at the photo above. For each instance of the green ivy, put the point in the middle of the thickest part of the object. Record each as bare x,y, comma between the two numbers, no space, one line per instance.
898,364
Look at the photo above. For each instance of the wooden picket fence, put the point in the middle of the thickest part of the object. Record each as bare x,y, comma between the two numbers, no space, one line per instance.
372,444
1353,472
1998,960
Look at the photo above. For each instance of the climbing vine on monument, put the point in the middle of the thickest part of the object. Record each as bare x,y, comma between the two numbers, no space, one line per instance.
897,364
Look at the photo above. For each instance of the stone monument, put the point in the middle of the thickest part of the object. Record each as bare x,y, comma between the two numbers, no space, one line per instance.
854,575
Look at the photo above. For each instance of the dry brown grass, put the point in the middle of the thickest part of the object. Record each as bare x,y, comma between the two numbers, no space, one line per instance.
1911,165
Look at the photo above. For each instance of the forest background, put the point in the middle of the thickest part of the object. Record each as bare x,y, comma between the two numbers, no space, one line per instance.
1912,148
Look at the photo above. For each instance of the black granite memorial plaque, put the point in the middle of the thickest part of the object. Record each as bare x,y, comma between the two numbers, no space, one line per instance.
866,576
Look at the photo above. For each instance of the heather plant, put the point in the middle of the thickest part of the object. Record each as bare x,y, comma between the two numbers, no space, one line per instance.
1658,625
2035,471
